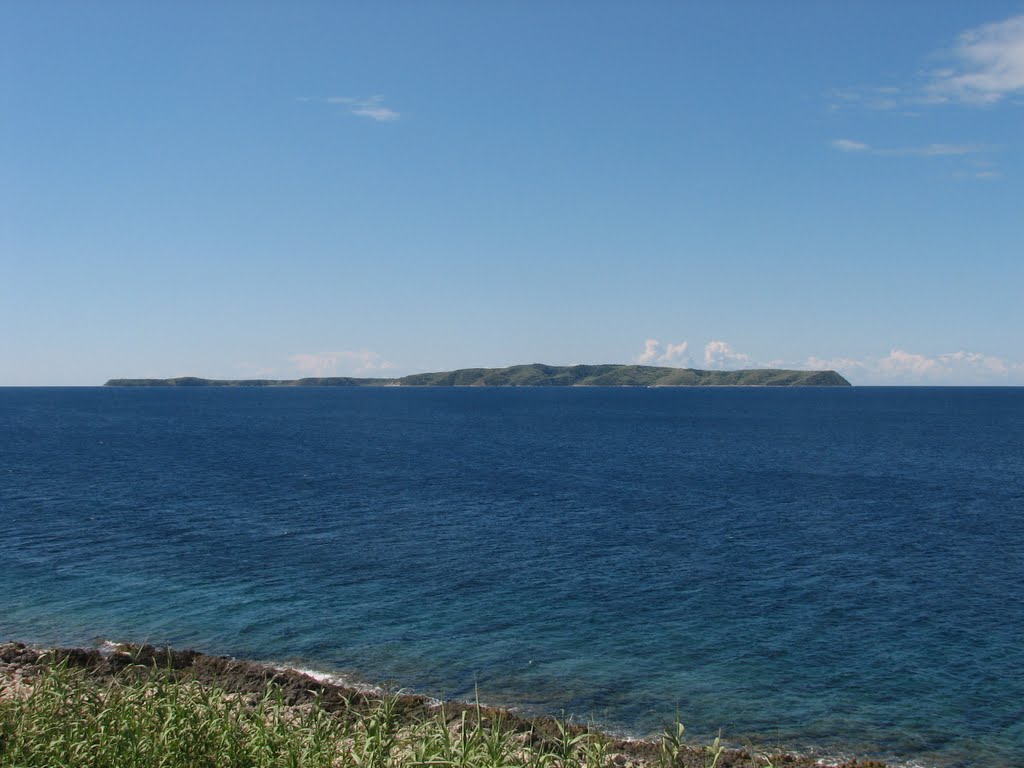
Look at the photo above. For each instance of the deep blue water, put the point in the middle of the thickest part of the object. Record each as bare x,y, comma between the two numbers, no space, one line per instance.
840,568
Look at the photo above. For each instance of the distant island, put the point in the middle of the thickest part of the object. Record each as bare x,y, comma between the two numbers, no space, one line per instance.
535,375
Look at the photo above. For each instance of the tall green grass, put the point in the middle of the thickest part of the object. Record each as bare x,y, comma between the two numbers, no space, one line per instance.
138,718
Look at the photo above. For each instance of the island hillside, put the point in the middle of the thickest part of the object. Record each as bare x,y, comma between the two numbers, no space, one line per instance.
535,375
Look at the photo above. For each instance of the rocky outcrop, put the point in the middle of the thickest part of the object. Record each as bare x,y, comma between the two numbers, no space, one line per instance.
20,663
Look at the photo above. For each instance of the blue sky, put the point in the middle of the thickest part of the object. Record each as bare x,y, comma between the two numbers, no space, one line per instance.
288,189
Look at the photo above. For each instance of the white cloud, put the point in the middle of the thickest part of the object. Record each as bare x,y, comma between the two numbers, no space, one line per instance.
650,353
719,355
345,363
985,67
670,354
976,360
675,351
988,65
900,363
902,367
849,145
372,108
375,112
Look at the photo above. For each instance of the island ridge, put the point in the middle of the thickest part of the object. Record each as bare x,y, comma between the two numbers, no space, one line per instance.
535,375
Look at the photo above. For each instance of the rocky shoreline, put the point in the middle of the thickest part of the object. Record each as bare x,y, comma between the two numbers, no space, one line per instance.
20,663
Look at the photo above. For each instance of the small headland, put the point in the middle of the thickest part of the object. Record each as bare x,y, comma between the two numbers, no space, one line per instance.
143,705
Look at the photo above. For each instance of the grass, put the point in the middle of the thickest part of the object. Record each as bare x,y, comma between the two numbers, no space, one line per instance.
145,717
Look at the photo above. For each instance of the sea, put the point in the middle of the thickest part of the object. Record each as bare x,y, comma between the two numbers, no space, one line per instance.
828,570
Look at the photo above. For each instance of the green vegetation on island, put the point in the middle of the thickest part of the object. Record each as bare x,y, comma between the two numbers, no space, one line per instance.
535,375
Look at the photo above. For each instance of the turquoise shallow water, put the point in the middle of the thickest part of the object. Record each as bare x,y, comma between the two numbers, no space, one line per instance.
830,568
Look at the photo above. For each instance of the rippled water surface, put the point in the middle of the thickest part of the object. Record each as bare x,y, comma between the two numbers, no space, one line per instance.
839,568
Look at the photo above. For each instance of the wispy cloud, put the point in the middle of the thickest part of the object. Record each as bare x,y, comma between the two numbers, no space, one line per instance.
849,145
371,108
926,150
380,114
669,354
987,66
982,171
936,150
879,98
343,363
902,367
